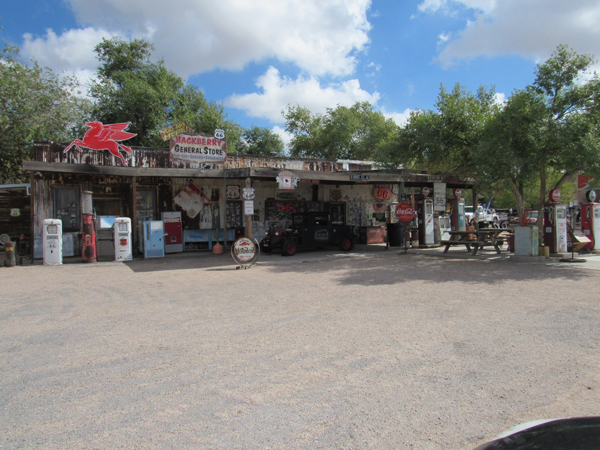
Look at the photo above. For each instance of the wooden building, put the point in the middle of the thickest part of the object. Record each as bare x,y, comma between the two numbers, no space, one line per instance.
152,183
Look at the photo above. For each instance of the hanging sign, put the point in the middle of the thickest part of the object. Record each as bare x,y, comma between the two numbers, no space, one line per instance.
248,207
287,180
197,148
191,200
439,197
174,130
405,212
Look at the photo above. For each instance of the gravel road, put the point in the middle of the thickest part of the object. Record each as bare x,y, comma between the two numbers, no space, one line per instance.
381,351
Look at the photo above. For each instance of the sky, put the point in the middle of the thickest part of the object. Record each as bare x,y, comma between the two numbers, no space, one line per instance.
258,56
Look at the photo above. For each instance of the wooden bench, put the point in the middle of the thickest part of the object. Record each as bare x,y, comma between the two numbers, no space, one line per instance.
466,243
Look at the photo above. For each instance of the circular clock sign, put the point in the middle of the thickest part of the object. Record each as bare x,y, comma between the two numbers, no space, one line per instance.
405,212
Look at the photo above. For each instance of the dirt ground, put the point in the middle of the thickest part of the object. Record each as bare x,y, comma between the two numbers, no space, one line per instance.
381,350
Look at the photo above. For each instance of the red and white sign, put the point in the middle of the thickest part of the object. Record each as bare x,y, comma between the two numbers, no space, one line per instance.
198,148
405,212
191,200
457,193
554,196
244,250
425,191
248,207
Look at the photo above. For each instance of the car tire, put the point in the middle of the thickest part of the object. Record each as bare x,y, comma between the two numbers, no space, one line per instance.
289,248
346,244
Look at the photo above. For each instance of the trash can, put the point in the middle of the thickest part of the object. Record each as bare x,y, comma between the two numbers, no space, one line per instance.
395,233
10,255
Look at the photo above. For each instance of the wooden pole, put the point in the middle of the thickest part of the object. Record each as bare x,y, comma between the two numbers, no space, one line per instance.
248,216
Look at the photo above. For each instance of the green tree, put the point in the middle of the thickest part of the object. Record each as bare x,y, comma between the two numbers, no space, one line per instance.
356,132
444,140
262,141
35,104
133,88
546,133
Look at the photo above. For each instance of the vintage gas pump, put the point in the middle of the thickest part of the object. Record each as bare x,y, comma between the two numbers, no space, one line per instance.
425,218
52,238
88,238
590,221
555,224
122,230
458,221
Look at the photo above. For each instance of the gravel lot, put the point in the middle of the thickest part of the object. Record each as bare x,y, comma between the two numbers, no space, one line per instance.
383,351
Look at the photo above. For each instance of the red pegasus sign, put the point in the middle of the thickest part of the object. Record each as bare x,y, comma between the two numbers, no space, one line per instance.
105,137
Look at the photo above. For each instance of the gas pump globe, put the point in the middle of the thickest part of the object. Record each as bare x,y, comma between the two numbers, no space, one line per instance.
555,223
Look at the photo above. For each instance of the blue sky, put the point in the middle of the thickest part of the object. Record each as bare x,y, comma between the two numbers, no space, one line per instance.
257,56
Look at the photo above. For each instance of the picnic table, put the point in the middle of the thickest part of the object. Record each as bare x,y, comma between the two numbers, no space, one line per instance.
477,239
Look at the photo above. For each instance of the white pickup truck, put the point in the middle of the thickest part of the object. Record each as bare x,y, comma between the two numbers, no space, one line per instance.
490,217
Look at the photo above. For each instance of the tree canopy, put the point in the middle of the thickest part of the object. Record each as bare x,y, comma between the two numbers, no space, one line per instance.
133,88
35,104
356,132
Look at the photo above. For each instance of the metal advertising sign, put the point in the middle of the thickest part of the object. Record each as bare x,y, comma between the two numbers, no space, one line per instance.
174,130
287,180
191,200
439,196
198,148
105,137
248,193
248,207
405,212
245,251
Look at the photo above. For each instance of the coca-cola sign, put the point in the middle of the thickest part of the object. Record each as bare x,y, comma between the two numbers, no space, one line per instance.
405,212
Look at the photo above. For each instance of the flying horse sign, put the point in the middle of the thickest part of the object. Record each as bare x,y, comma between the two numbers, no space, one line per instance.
105,137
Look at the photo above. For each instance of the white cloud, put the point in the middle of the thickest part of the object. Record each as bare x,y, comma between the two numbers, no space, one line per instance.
400,118
500,98
284,135
530,28
195,36
276,92
72,51
432,6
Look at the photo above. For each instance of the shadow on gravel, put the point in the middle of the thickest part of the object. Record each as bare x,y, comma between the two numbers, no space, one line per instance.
409,268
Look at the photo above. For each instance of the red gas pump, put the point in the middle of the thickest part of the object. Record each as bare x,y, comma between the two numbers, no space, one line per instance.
457,213
88,237
590,221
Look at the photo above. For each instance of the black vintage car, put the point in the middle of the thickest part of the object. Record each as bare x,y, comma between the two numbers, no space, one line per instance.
308,230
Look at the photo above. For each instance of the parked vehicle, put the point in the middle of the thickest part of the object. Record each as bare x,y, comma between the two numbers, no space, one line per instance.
308,230
578,433
489,217
532,217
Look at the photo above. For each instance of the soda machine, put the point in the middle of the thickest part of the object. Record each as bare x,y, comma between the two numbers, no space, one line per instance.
173,231
590,221
52,239
154,234
88,237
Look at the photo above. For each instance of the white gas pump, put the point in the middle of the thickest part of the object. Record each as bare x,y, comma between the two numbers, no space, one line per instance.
428,222
52,238
122,234
558,225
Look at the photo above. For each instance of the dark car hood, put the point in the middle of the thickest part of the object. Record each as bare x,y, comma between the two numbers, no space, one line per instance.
579,433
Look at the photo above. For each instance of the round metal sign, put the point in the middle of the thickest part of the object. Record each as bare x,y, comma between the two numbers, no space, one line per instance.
457,193
591,196
248,193
245,251
554,196
405,212
425,191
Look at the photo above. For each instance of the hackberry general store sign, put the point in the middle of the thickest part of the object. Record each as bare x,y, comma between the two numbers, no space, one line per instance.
198,148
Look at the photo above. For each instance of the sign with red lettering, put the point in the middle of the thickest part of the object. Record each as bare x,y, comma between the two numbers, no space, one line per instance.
197,148
405,212
382,193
